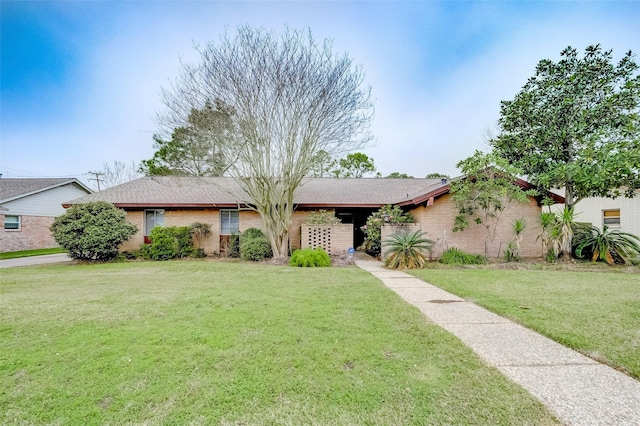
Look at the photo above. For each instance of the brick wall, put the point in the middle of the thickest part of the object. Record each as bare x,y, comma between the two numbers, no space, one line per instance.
33,234
178,218
135,218
299,216
333,239
438,220
250,219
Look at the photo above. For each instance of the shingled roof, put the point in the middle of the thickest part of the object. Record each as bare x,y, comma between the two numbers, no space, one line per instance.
194,192
12,188
222,191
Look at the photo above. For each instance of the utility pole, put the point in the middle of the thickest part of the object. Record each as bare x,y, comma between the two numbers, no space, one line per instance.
97,178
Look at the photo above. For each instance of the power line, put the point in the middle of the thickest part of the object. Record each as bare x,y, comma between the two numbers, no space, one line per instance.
97,178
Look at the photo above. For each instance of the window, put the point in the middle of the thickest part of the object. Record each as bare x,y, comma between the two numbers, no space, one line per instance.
611,218
152,218
229,222
12,222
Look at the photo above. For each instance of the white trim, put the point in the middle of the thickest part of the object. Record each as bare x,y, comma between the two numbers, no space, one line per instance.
19,228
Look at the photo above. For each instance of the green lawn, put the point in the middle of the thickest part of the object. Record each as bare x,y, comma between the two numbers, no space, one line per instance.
596,313
27,253
214,342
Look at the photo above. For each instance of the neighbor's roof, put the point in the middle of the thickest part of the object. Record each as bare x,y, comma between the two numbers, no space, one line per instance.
13,189
168,191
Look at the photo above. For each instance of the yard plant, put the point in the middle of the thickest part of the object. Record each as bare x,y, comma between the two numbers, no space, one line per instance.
391,215
92,231
308,257
254,245
405,250
611,246
228,342
455,256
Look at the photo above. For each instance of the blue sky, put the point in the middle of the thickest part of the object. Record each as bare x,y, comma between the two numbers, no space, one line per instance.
80,81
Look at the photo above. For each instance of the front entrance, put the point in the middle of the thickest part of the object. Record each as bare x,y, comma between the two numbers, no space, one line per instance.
358,217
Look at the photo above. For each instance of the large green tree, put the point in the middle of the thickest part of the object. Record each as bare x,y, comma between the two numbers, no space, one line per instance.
289,98
195,148
575,125
354,165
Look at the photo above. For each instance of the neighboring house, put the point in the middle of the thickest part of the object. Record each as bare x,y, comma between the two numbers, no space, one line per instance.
619,213
219,202
28,208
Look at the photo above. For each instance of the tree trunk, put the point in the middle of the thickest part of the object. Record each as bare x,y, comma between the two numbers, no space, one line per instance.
567,230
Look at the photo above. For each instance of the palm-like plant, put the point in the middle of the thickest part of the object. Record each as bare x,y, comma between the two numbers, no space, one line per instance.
405,250
566,231
609,245
547,221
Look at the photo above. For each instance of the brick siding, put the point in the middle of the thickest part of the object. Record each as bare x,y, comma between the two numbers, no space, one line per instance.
178,218
438,220
33,234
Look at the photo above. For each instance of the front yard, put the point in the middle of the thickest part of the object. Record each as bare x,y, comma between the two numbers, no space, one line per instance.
200,342
596,313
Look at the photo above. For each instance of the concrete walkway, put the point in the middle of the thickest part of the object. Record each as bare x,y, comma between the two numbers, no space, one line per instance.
35,260
577,389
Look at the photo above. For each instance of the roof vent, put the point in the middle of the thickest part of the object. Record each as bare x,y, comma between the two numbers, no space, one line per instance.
443,181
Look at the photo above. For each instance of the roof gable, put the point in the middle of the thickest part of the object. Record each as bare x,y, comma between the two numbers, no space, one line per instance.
13,189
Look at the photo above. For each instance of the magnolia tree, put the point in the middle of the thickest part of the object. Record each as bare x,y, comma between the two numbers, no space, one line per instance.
576,125
288,99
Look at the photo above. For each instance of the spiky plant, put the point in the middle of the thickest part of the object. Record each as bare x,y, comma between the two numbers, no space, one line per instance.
405,250
547,221
609,246
519,225
566,231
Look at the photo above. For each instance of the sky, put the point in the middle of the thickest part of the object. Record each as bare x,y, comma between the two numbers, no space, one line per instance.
80,81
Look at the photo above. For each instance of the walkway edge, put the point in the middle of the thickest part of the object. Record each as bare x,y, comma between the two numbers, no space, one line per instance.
577,389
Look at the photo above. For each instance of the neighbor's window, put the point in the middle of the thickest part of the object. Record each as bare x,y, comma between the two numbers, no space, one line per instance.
611,217
12,222
152,218
229,222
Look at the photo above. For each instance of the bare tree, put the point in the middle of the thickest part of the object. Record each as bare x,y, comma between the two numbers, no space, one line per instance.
289,98
118,173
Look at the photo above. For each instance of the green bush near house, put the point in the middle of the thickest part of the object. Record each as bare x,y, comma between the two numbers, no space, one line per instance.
92,231
322,217
309,257
455,256
404,250
170,242
611,246
254,245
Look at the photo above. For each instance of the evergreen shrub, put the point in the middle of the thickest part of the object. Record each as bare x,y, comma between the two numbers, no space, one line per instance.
92,231
254,245
170,242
